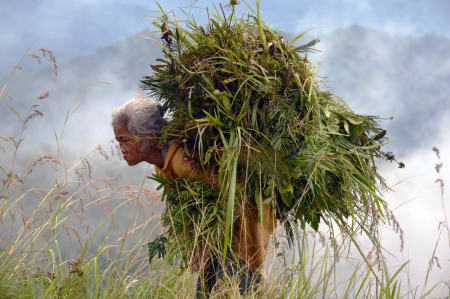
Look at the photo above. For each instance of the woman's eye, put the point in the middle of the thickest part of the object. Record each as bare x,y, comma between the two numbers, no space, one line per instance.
124,141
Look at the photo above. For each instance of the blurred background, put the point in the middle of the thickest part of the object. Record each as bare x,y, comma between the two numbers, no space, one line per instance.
387,58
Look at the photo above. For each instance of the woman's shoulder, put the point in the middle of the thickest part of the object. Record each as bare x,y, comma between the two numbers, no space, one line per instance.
177,164
181,165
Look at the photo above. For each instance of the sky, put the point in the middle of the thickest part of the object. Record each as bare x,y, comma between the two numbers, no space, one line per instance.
78,28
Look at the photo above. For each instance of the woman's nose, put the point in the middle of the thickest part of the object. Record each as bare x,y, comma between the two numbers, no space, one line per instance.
122,149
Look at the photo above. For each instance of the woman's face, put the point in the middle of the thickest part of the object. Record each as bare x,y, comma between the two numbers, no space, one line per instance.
129,149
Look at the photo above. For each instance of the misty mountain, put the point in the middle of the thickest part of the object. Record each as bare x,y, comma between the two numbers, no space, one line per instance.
386,75
83,27
86,89
374,72
120,65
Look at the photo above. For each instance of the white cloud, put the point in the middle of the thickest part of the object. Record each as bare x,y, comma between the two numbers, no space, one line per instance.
418,207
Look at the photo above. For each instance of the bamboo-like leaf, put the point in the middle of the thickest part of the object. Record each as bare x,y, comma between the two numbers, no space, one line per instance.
298,37
230,208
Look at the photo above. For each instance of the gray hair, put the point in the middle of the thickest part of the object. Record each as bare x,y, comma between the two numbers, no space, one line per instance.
141,117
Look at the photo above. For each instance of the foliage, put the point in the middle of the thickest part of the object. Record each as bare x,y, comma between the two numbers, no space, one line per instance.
193,209
244,101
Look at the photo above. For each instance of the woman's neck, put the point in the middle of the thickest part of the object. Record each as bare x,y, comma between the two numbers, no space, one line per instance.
155,157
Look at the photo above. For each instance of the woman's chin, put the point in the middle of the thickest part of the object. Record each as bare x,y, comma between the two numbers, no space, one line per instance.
131,162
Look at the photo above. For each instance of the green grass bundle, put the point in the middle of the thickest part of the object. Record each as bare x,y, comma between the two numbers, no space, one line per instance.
245,101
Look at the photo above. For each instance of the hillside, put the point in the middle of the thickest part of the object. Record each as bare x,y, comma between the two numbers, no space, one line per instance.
389,75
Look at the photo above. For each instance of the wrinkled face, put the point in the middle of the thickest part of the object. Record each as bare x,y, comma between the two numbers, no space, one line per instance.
129,149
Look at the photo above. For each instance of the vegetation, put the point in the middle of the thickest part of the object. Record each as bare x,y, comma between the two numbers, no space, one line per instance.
249,105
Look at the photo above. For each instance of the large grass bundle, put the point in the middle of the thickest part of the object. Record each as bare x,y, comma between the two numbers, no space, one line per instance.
248,103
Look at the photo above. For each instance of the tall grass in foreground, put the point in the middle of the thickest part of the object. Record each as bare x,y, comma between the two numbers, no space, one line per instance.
77,236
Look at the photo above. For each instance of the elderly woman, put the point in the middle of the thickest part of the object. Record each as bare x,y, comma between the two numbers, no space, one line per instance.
137,125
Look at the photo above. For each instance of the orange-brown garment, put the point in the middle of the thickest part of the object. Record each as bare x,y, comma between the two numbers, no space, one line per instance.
250,238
